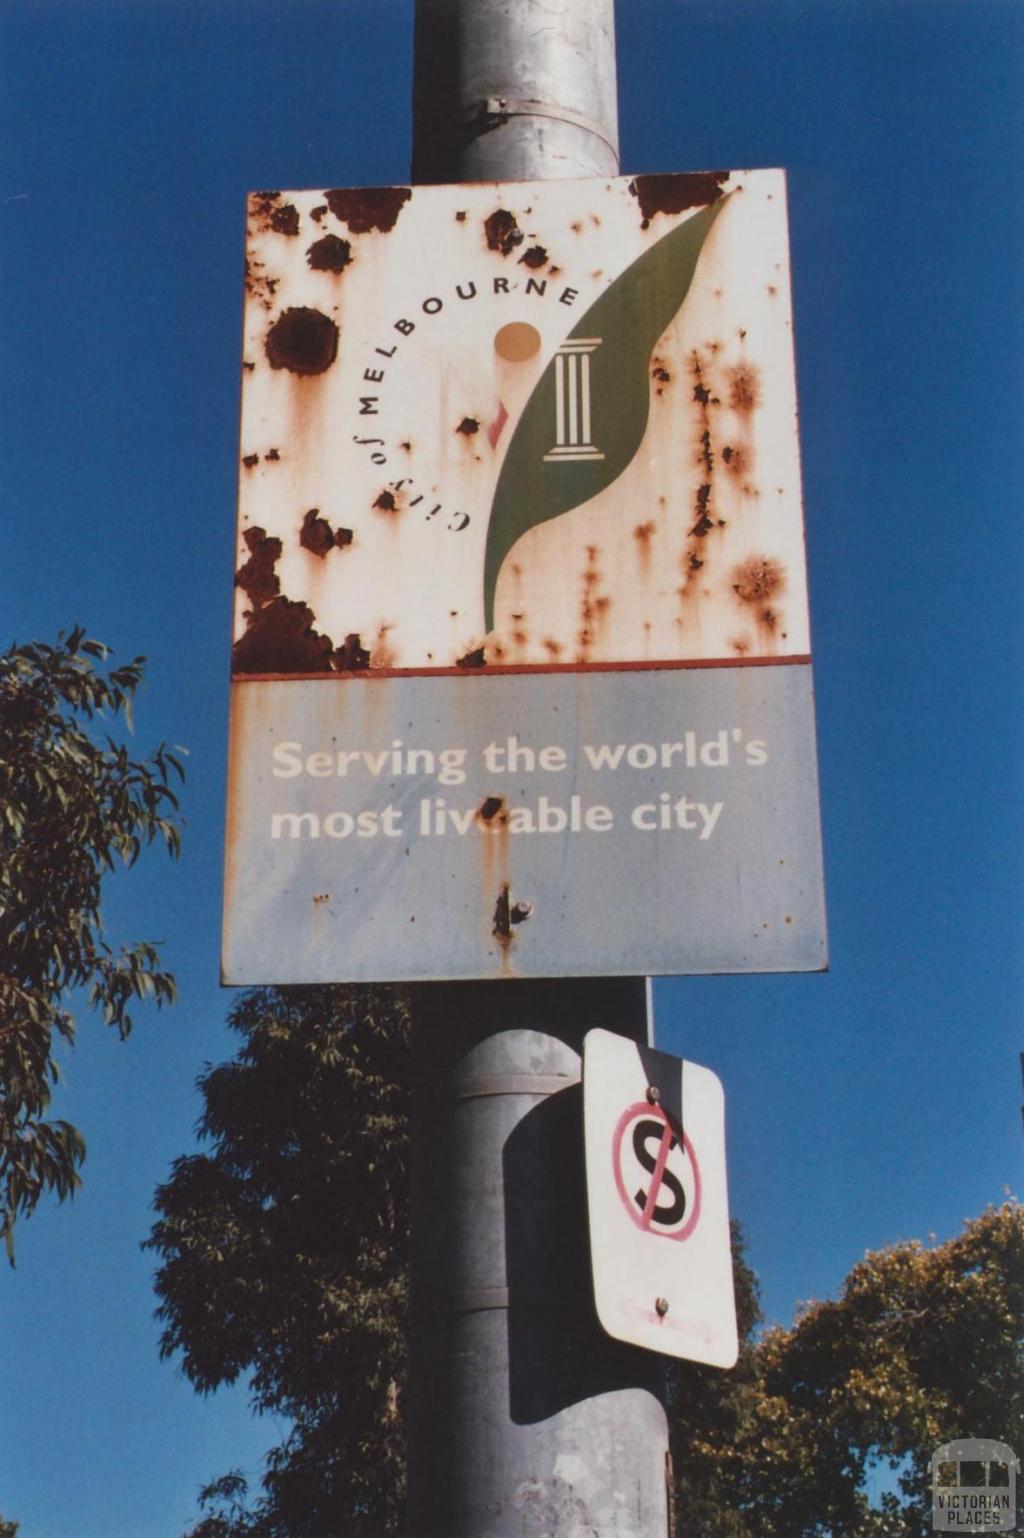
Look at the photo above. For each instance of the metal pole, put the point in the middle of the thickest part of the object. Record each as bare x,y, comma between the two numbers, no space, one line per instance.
524,1420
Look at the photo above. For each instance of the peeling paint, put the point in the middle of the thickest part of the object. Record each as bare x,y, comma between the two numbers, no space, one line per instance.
257,577
352,656
673,194
285,220
303,340
316,534
368,208
281,639
329,254
502,232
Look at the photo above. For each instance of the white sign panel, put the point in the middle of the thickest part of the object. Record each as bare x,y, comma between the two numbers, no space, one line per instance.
522,678
656,1192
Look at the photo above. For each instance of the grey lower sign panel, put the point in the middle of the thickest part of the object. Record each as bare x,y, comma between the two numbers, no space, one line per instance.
658,821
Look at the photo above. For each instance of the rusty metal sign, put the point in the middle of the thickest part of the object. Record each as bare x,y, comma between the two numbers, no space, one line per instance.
521,671
654,1128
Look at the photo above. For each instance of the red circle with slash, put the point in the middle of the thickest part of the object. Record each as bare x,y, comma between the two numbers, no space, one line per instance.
662,1208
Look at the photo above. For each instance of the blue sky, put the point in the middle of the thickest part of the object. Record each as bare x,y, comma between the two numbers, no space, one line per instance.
877,1102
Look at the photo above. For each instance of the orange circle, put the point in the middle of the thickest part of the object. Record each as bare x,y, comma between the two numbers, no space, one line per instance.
517,341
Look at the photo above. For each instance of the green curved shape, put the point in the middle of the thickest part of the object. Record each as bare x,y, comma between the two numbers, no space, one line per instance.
629,317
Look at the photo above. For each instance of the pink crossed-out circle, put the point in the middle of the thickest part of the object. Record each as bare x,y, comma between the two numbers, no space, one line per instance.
643,1219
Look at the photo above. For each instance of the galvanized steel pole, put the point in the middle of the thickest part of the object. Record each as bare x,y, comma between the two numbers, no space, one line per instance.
523,1417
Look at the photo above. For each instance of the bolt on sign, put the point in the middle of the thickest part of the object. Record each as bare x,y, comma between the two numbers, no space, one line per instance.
521,677
654,1128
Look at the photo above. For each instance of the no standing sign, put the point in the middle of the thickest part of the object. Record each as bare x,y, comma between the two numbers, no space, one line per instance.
656,1191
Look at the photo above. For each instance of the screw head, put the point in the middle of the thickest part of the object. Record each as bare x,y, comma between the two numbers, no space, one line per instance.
653,1094
661,1307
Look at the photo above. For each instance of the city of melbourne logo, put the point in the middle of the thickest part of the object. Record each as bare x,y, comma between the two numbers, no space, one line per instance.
553,463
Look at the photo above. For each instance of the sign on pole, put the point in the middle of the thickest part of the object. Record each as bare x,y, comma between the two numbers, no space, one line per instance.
521,679
654,1128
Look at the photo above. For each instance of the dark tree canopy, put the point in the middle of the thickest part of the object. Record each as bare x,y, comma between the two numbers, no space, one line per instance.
74,806
922,1346
283,1259
283,1255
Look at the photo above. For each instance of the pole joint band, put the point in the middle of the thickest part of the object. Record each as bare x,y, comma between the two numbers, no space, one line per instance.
490,112
513,1084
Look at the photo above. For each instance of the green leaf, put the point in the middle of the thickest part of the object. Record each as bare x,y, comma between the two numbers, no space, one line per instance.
628,319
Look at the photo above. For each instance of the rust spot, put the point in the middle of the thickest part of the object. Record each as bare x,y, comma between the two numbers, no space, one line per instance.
643,532
707,457
256,577
553,648
281,639
250,460
661,374
460,216
342,537
318,212
317,534
695,562
738,460
704,524
368,208
592,607
382,655
329,254
285,220
386,503
468,425
352,656
673,194
258,285
249,367
302,340
757,579
274,454
502,930
473,659
740,645
502,231
490,808
536,256
745,388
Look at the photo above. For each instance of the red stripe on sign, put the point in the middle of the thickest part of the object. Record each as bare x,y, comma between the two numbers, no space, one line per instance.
494,670
643,1219
664,1148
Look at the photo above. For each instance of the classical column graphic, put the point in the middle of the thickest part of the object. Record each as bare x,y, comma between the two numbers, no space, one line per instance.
572,401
